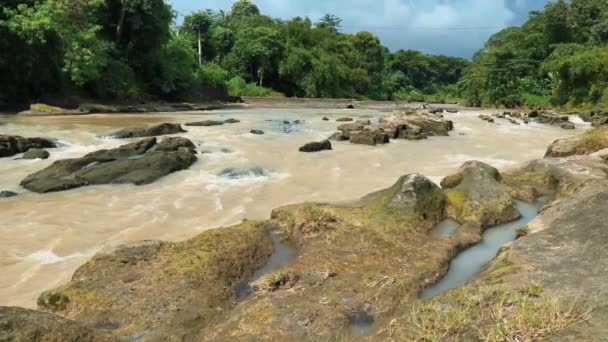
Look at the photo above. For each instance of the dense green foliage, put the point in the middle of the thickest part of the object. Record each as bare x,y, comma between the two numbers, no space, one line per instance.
560,55
131,49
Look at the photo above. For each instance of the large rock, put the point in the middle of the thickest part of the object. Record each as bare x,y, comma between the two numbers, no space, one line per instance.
475,194
162,291
14,144
316,146
429,124
136,163
586,143
36,153
138,132
369,137
17,324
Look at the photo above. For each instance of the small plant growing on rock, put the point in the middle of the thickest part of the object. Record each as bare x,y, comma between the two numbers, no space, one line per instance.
277,280
309,221
523,231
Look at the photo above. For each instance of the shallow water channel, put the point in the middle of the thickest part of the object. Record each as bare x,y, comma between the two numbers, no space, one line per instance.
470,263
281,256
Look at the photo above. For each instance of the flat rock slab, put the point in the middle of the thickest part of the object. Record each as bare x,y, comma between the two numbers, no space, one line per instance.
138,163
14,144
139,132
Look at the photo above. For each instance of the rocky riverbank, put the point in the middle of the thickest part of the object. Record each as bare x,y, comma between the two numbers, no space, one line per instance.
359,263
42,109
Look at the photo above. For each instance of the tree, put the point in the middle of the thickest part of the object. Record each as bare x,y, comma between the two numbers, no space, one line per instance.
198,23
329,22
244,8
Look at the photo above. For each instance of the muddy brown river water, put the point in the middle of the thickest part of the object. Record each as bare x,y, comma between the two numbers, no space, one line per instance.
44,238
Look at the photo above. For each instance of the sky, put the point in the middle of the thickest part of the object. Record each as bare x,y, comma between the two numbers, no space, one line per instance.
449,27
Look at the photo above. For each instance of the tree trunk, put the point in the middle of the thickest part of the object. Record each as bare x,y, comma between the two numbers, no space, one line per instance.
200,50
121,21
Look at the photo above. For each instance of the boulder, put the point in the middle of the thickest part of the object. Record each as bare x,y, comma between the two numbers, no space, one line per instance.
136,163
345,119
316,146
568,125
350,106
325,118
487,118
552,118
14,144
339,136
7,194
138,132
42,109
17,324
413,196
369,137
231,121
350,127
206,123
586,143
256,132
36,153
430,124
475,194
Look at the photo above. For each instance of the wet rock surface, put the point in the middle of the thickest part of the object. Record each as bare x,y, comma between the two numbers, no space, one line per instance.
157,130
36,153
135,163
256,132
8,194
11,145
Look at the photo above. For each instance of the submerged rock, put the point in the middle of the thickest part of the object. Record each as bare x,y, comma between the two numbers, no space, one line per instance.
568,125
237,173
36,153
7,194
345,119
133,163
139,132
316,146
206,123
231,121
257,132
14,144
488,118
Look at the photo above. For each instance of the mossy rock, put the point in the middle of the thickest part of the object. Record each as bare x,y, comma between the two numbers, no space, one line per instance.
44,108
166,289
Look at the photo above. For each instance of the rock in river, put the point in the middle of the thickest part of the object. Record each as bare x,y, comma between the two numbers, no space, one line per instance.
138,132
36,153
136,163
256,132
206,123
7,194
14,144
369,137
345,119
316,146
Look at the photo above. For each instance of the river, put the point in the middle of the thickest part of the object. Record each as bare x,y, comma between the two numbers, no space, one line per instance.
46,237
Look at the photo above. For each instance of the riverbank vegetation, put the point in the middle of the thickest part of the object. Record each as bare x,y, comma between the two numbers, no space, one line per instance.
558,57
117,50
138,50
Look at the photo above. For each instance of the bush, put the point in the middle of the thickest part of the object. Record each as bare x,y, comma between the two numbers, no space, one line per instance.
211,75
239,87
